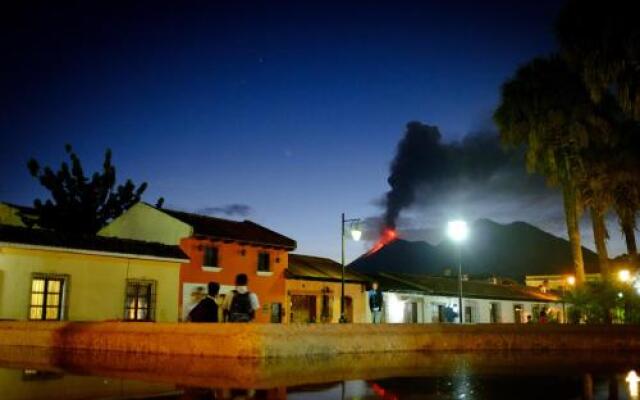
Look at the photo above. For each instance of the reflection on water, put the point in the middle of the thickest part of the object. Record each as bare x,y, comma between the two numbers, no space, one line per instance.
38,374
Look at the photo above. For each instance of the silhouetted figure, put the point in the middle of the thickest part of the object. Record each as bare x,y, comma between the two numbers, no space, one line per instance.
207,309
543,317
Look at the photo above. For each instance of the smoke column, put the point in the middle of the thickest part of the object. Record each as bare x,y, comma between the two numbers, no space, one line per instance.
420,157
426,164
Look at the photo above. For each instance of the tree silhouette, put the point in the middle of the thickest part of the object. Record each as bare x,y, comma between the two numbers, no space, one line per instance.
601,40
79,204
547,108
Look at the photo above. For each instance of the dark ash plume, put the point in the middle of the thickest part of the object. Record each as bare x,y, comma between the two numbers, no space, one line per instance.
426,166
419,158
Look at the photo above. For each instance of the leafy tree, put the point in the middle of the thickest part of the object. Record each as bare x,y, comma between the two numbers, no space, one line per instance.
601,40
79,204
547,109
603,302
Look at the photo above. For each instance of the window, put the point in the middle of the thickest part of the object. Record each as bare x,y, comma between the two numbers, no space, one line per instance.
468,314
47,297
210,256
494,313
140,300
264,262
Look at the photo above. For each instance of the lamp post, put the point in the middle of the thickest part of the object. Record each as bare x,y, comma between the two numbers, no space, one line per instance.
458,231
356,233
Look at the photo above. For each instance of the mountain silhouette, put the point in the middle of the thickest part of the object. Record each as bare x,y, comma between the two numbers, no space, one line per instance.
492,249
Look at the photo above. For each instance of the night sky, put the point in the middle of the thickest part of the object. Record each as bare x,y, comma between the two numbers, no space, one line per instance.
283,113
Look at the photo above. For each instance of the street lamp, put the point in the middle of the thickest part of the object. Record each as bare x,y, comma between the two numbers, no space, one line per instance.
356,234
624,275
458,231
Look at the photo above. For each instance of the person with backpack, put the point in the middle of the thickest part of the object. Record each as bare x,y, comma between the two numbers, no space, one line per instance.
207,309
241,304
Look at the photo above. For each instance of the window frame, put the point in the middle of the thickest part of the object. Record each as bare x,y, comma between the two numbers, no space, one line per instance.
264,255
151,297
205,257
61,307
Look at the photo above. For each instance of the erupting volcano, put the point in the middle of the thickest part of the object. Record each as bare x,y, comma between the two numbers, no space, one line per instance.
387,236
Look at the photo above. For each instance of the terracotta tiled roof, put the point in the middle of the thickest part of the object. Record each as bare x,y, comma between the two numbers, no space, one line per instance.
321,269
241,231
48,238
448,286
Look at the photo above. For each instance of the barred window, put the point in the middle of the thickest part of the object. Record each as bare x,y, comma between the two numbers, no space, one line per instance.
47,297
264,262
140,301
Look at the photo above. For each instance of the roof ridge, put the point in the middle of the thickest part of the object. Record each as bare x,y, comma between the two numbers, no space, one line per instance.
310,256
168,211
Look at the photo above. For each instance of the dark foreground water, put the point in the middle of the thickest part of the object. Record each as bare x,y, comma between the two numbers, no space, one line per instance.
36,374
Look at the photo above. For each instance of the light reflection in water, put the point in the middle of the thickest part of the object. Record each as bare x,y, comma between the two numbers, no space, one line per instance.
632,381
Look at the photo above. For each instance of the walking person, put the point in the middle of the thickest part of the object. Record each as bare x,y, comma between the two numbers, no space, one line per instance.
375,303
241,304
207,309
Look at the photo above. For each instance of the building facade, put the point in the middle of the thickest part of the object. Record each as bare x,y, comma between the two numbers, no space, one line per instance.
217,250
47,275
313,288
426,299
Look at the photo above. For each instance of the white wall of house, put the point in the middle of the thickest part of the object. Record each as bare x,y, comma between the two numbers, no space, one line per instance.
421,308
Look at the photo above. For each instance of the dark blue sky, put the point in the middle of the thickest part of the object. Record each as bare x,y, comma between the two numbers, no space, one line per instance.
291,108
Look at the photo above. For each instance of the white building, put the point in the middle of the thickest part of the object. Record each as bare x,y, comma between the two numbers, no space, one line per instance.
426,299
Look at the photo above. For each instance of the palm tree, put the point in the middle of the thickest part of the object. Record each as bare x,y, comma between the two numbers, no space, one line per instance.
596,194
547,109
601,40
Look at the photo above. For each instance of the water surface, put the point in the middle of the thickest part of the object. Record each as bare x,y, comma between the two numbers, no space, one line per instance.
28,373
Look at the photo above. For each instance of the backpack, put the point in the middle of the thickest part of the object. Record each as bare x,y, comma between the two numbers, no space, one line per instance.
241,309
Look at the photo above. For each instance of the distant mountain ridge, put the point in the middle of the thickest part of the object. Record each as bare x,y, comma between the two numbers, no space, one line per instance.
507,250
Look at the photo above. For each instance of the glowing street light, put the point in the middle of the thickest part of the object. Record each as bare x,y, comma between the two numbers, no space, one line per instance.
571,280
458,231
624,275
356,234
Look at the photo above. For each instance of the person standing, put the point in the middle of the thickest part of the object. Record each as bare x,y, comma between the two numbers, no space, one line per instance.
241,304
207,309
375,303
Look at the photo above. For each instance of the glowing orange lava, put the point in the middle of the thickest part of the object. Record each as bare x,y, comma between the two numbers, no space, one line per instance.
387,236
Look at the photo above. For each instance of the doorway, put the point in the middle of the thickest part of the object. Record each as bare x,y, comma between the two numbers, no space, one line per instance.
410,312
348,308
517,313
303,308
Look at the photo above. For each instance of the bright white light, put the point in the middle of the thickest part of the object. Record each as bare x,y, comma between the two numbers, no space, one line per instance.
457,230
356,234
396,308
624,275
632,380
571,280
620,295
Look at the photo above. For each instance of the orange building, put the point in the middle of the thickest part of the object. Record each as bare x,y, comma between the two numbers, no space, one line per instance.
218,250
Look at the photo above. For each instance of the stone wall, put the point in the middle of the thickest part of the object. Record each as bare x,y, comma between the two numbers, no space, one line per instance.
273,340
